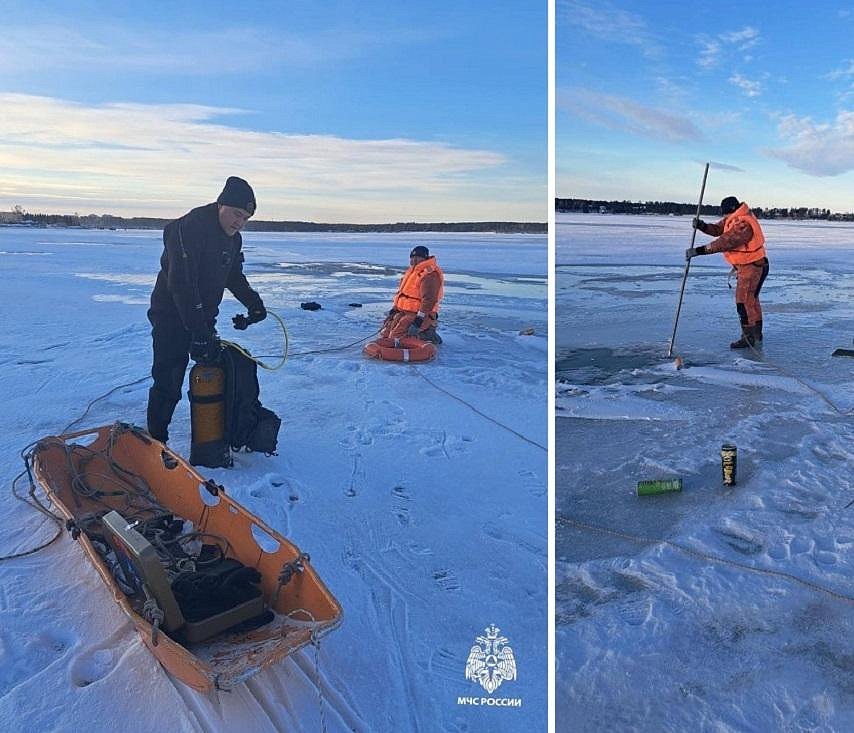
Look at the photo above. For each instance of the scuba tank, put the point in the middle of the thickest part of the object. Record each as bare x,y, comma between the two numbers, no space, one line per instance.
209,443
225,412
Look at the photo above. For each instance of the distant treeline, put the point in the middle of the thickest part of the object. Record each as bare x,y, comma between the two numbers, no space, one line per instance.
107,221
591,206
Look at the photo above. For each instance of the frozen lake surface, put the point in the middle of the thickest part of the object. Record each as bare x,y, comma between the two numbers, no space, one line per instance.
420,492
722,609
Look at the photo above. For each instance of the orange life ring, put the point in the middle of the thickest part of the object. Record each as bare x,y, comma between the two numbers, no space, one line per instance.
407,348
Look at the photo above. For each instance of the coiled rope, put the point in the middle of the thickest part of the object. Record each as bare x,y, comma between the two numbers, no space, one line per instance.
33,501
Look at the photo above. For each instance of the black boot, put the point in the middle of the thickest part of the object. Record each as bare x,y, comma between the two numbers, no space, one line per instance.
159,414
757,333
747,338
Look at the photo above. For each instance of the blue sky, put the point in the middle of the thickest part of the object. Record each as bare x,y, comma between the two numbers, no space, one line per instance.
647,92
334,111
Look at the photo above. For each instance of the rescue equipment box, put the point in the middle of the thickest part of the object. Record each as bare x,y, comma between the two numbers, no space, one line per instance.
144,572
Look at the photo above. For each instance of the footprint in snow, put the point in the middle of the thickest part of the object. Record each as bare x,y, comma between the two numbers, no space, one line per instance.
450,446
432,451
275,485
822,557
446,663
416,549
800,545
399,505
356,476
357,438
96,662
636,611
533,484
351,558
743,544
778,551
23,654
446,580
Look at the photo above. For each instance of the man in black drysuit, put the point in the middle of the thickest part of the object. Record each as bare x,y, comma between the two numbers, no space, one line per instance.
201,257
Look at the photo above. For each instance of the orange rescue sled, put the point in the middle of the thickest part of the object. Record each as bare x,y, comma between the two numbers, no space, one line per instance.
104,458
407,348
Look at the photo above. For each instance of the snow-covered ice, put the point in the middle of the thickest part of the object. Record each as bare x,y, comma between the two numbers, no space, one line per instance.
425,519
715,609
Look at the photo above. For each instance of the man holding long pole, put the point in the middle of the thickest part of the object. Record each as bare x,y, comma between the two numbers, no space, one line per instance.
739,237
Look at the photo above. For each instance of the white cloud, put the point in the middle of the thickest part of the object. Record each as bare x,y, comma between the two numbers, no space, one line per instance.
710,52
161,159
843,73
626,114
41,48
610,24
671,89
818,149
714,50
749,87
746,38
237,49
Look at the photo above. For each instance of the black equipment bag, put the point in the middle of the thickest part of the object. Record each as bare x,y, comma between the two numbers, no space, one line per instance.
248,423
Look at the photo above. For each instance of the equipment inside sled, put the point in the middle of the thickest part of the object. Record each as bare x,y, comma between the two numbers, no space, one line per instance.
215,593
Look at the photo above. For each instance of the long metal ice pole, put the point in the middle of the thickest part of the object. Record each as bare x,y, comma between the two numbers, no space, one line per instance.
687,265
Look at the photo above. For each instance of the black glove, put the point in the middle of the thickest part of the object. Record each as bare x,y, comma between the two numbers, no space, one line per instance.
415,326
256,313
699,224
694,252
205,347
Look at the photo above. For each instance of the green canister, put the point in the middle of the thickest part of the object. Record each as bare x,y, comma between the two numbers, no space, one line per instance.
659,486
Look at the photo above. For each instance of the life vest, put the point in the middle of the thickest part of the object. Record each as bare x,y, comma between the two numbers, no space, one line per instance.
408,296
751,251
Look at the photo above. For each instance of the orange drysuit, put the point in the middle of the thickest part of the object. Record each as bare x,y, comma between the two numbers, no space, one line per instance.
419,293
740,239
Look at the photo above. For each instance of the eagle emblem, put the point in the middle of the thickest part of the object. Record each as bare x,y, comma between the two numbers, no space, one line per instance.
491,660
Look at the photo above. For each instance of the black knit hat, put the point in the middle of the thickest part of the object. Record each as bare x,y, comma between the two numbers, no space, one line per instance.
420,251
238,193
729,204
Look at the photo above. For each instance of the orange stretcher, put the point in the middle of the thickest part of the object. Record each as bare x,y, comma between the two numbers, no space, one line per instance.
86,474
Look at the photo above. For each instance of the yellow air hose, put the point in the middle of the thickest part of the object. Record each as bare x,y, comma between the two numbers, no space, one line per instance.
258,361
